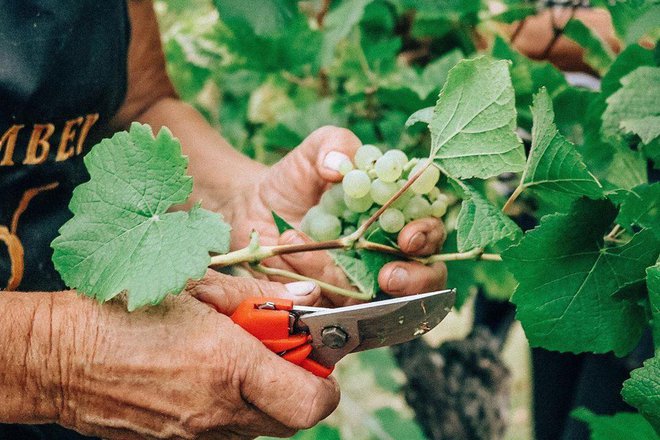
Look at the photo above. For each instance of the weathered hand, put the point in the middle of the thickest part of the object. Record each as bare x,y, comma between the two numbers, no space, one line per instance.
181,370
295,184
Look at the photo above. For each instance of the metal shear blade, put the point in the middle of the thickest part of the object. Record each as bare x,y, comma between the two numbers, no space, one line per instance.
337,332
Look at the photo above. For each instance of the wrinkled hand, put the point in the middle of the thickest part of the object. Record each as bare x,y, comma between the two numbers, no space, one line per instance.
182,370
295,184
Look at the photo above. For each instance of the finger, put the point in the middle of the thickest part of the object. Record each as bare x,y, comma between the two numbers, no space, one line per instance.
317,264
422,237
333,146
251,422
287,393
225,293
402,278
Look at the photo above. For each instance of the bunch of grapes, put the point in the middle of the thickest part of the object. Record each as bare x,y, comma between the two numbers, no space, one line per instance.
367,185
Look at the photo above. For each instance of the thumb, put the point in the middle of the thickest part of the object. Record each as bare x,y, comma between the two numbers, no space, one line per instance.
225,293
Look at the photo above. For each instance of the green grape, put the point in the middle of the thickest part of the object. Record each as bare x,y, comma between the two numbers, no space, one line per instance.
391,220
399,156
305,223
345,167
366,155
348,230
356,184
361,204
438,208
433,194
427,180
417,207
404,198
349,216
388,168
332,201
382,191
324,227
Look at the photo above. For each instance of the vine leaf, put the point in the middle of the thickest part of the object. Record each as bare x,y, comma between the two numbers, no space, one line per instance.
480,223
642,390
631,426
653,286
635,107
597,54
631,58
373,260
472,129
640,206
282,225
568,279
357,272
270,19
121,237
554,165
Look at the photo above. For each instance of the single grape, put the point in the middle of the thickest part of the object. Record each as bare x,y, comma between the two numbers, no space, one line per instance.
366,155
391,220
433,194
348,230
404,198
444,198
417,207
388,168
438,208
361,204
332,201
324,227
427,180
349,216
345,167
399,155
382,191
356,184
306,222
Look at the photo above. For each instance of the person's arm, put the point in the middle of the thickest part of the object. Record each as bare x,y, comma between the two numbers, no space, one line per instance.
180,370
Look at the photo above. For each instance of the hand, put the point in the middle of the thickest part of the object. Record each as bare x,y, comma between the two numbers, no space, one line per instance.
182,370
295,184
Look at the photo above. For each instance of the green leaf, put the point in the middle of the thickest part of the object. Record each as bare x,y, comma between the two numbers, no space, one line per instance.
653,287
338,24
121,237
554,165
620,426
516,13
474,121
640,206
630,59
642,390
282,225
635,108
568,280
374,261
597,54
357,272
627,168
397,426
633,19
424,115
461,274
480,223
269,19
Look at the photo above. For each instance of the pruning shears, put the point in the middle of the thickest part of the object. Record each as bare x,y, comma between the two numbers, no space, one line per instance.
316,338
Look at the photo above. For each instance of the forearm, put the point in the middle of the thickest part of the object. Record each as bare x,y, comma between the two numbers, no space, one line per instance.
220,172
32,368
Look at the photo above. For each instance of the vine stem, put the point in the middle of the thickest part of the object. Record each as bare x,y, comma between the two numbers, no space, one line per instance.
322,284
512,198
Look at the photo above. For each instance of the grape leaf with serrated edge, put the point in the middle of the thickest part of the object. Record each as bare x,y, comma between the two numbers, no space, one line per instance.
474,121
357,272
635,107
568,279
480,223
121,237
653,287
630,426
642,390
627,61
554,164
640,206
597,54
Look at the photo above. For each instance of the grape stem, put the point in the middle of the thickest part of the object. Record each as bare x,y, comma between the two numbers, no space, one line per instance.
322,284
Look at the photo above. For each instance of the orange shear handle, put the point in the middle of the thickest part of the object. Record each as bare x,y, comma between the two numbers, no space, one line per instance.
268,320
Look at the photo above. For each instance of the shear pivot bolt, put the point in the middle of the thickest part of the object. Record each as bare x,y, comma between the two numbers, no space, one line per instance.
334,337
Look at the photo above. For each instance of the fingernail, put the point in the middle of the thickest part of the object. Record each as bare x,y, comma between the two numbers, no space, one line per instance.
300,288
398,280
334,159
294,237
417,242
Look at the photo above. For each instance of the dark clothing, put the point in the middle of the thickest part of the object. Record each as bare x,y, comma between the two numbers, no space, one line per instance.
63,69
